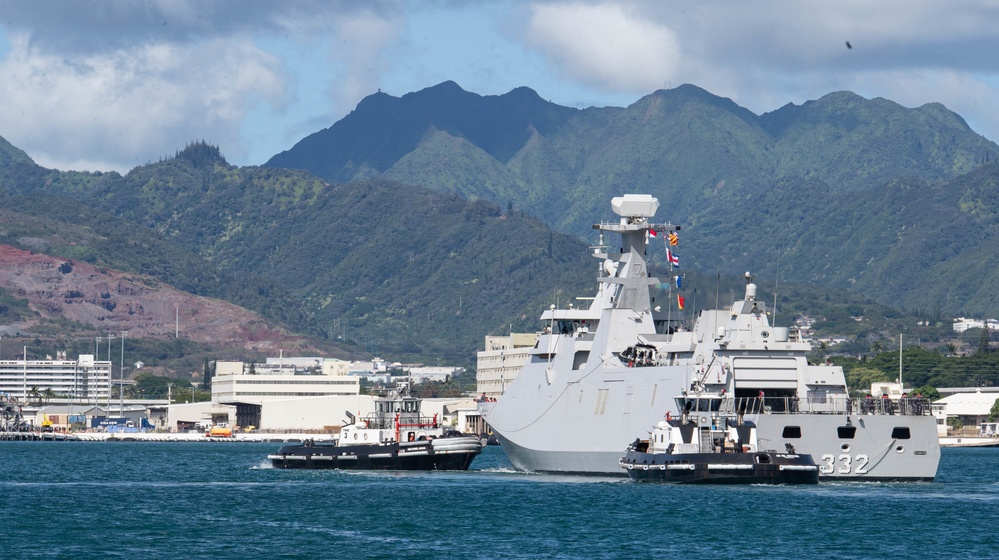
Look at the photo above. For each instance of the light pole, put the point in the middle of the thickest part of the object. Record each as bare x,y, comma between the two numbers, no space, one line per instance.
110,367
97,359
121,377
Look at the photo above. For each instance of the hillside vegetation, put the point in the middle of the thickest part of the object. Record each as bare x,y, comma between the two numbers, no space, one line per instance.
415,226
390,268
843,191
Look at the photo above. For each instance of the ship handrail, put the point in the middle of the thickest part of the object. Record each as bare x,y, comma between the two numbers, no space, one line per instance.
838,404
909,406
376,422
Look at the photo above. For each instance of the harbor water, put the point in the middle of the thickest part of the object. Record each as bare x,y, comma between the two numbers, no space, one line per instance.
222,500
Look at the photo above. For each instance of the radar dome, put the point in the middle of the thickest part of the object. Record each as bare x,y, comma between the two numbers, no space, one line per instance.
635,205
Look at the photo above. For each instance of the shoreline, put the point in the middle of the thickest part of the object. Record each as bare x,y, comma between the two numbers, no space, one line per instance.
163,437
969,441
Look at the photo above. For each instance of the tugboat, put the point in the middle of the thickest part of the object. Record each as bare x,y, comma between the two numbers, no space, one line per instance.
712,444
394,437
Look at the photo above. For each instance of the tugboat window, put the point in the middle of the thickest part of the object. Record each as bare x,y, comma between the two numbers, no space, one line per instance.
846,432
709,405
900,433
792,432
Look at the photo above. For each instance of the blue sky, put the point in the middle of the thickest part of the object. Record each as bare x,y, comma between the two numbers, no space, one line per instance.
112,84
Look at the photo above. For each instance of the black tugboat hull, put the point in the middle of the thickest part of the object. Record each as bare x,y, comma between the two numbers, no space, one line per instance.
721,468
435,455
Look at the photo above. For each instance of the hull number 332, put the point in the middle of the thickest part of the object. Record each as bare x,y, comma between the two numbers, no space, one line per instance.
844,464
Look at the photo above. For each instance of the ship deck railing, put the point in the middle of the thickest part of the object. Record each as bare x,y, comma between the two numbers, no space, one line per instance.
376,422
842,405
839,404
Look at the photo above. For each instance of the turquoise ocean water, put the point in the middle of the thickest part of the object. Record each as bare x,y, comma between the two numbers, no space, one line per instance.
221,500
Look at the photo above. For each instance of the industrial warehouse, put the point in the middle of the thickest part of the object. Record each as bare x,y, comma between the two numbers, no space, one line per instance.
282,395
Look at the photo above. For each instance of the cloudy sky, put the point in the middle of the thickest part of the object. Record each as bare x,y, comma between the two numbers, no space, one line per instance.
112,84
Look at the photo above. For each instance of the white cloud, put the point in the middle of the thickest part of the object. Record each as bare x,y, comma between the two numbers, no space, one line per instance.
117,109
766,55
109,84
363,45
605,45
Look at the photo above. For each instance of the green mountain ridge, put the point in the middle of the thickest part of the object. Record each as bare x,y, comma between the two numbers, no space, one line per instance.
823,184
395,268
420,240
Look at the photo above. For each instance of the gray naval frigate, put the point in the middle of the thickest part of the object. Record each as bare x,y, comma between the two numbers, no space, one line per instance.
602,376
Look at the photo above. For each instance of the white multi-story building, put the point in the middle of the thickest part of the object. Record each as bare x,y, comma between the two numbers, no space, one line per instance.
266,387
419,374
83,380
962,324
501,362
234,382
248,387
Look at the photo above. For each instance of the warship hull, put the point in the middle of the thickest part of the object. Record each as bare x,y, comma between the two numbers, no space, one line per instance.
872,455
598,377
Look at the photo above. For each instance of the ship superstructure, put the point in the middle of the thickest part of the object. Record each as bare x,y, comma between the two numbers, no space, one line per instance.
600,376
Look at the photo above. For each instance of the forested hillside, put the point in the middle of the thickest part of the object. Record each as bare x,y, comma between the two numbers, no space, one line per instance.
394,268
841,191
416,225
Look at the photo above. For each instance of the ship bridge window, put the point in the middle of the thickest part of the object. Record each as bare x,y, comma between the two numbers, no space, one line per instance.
792,432
706,405
846,432
901,432
563,326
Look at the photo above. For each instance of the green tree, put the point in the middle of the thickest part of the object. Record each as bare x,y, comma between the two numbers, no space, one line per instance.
859,379
983,341
207,372
436,390
994,412
34,396
149,386
926,391
190,395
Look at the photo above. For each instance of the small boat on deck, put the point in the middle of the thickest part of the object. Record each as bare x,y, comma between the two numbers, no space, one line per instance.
707,446
394,437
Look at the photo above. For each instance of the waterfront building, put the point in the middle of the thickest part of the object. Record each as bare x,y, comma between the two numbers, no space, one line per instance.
971,405
83,380
419,374
247,388
62,418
